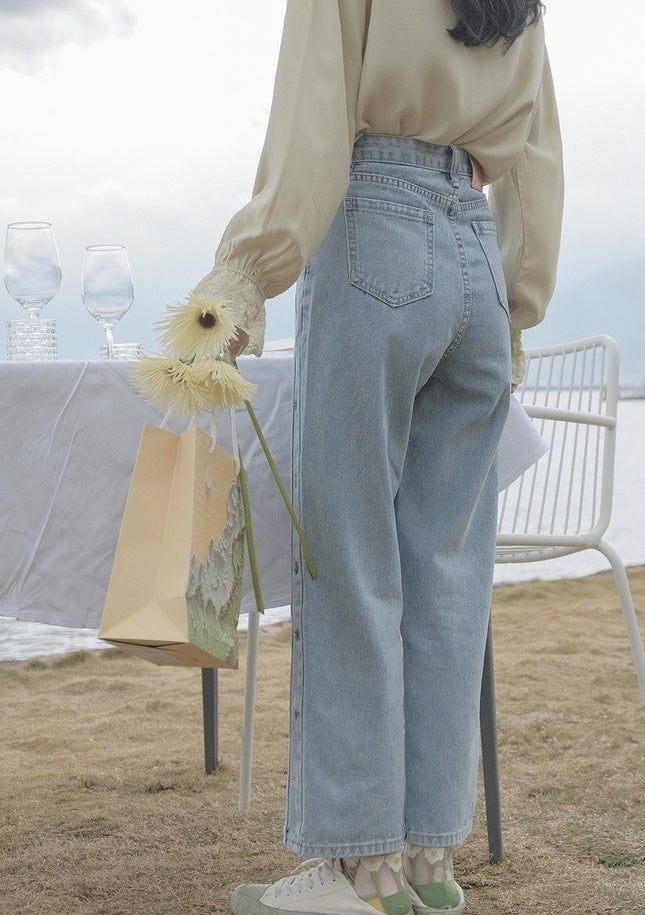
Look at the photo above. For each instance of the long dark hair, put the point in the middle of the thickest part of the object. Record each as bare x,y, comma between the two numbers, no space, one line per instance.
489,21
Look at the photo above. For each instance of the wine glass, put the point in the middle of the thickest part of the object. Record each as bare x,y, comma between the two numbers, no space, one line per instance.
32,272
107,289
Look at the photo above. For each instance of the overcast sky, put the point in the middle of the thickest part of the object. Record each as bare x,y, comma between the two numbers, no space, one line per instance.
140,122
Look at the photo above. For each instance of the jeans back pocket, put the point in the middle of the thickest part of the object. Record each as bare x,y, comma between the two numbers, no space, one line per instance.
486,232
390,248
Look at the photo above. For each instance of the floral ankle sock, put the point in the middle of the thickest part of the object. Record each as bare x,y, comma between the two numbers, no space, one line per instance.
429,873
378,880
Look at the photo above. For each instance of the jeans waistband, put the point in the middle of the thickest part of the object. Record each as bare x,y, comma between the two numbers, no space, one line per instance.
409,151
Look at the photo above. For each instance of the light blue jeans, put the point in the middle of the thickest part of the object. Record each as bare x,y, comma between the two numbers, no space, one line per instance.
402,383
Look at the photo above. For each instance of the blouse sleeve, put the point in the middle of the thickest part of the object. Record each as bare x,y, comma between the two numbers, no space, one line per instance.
527,202
304,167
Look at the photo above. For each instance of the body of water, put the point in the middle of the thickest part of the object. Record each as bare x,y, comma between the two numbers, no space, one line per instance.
21,640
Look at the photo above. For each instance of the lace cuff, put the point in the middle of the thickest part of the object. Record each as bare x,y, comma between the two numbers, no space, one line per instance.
244,299
518,357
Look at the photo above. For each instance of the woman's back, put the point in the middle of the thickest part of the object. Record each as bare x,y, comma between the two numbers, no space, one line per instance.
418,81
353,67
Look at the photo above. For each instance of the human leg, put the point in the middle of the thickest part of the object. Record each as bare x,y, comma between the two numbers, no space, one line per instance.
345,791
446,513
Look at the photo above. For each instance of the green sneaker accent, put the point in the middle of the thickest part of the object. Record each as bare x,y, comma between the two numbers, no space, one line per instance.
398,904
439,895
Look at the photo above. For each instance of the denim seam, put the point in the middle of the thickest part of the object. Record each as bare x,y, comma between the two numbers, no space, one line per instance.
463,206
461,330
371,178
487,229
435,163
345,849
387,149
294,806
440,839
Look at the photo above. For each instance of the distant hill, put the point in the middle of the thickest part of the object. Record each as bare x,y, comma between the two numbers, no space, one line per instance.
609,301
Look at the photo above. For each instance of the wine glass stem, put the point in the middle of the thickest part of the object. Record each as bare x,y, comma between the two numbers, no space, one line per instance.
109,337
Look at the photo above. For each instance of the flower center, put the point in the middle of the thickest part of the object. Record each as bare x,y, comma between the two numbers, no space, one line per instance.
206,319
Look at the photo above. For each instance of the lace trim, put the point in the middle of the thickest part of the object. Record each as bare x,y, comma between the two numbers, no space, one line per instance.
243,295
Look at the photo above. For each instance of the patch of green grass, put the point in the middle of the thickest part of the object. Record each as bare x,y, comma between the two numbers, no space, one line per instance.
36,664
72,659
113,654
621,858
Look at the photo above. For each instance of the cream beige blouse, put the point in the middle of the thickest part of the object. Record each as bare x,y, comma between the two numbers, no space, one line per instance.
350,67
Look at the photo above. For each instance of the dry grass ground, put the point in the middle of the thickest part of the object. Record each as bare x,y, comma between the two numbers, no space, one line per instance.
105,808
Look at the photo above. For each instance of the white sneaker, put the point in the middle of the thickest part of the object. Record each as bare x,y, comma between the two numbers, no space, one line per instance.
321,890
421,909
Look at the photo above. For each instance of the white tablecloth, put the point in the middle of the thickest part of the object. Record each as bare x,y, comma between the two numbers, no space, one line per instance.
69,433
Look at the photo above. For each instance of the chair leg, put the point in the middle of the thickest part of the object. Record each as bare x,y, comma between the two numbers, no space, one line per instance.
488,729
629,613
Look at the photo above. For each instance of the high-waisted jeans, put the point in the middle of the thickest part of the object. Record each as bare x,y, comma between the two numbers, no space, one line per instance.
402,383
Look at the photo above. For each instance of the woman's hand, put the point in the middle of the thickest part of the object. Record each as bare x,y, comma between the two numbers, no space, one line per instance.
238,344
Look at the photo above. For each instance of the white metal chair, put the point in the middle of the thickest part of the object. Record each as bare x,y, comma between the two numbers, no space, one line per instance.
562,504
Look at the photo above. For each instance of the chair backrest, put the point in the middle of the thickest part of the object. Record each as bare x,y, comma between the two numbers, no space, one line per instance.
564,500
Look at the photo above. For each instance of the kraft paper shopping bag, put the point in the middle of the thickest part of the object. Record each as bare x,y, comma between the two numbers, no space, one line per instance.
176,584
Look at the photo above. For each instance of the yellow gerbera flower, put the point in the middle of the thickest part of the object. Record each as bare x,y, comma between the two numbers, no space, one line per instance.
222,382
190,388
167,382
197,329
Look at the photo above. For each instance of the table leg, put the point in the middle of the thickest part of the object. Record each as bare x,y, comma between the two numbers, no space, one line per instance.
209,705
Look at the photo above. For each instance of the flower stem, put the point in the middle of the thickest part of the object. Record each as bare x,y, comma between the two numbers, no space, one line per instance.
283,492
250,542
